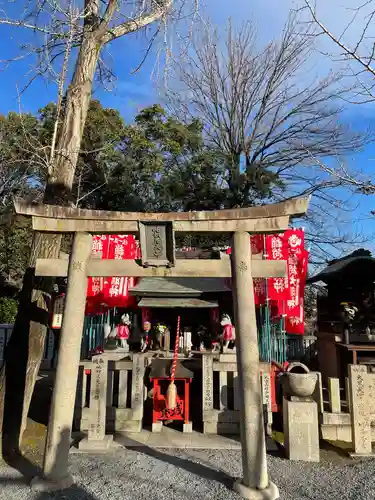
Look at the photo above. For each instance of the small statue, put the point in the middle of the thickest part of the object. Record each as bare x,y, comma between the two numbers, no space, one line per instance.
167,340
348,315
123,331
145,336
228,335
201,338
187,341
107,331
111,337
157,337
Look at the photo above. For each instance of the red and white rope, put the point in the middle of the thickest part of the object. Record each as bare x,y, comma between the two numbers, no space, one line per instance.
175,354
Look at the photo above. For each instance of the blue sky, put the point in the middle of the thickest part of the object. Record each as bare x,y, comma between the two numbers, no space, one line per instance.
132,92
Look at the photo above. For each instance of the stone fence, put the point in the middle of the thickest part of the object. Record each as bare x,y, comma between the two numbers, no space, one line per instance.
110,395
221,396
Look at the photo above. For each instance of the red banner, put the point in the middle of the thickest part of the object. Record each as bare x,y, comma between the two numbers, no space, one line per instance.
277,249
297,274
295,320
111,291
257,243
259,285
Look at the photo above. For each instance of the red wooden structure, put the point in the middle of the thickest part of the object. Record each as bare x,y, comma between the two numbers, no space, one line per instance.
160,407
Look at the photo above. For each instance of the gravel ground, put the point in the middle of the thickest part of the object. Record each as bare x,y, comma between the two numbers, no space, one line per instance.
196,475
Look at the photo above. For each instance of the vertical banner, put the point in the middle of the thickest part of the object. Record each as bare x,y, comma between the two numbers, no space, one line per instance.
297,274
277,249
257,243
111,291
259,285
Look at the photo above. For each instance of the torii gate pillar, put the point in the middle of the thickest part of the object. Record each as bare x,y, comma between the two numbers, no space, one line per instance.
56,455
255,484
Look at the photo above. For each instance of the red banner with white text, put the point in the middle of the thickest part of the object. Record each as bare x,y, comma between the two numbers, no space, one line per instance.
113,291
285,295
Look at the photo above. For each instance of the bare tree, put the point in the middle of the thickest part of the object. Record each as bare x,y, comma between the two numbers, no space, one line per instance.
257,108
356,56
63,29
361,50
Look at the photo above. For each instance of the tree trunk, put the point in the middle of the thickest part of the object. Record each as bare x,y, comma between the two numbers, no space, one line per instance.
25,350
60,182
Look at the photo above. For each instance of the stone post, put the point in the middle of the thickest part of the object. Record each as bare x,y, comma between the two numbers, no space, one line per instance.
360,383
55,468
301,429
255,483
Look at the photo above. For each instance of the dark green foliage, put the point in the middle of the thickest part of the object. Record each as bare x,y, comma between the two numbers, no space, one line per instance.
8,310
156,163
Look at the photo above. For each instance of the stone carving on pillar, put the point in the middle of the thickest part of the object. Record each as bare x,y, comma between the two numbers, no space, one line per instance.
157,243
361,384
209,425
134,424
267,402
97,439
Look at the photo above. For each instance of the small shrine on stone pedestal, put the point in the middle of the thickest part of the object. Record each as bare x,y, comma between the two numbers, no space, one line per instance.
346,314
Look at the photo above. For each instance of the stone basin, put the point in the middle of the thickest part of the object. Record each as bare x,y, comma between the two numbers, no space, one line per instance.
301,385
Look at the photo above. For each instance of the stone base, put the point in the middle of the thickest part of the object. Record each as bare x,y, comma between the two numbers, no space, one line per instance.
96,444
188,427
157,426
228,357
269,493
224,428
46,485
361,455
128,426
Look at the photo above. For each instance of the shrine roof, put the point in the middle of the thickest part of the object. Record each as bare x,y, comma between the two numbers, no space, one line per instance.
354,262
192,287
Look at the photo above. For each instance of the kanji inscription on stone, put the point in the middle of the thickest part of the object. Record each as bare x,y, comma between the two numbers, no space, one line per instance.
138,373
207,377
360,414
157,243
98,398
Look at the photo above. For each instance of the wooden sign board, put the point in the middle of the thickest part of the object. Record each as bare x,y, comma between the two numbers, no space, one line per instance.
58,311
157,244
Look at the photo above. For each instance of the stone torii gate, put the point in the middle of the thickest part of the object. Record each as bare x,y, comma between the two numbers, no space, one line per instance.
156,232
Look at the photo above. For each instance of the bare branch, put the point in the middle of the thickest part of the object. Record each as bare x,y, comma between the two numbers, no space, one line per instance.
138,22
353,53
270,125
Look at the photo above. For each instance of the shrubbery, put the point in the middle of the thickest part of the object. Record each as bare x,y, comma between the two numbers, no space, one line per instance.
8,310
